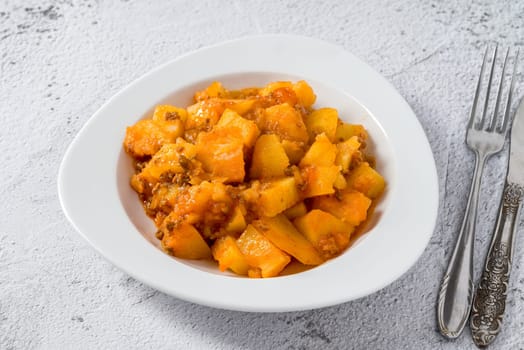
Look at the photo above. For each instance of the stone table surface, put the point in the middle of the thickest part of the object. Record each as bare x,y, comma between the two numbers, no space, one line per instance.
61,59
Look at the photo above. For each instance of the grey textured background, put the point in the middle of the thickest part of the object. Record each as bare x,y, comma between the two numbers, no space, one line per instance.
60,60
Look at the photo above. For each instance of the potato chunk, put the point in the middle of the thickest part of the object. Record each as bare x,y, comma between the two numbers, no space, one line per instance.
225,250
248,128
319,180
168,113
286,122
346,131
237,222
221,153
340,182
321,153
204,114
215,89
184,241
281,232
294,150
367,180
147,136
241,106
261,254
269,158
277,195
349,206
322,120
346,151
306,96
207,205
295,211
279,92
329,235
172,158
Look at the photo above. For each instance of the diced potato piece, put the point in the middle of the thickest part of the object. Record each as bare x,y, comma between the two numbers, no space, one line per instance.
171,158
281,232
279,92
321,153
175,128
147,136
340,183
269,158
329,235
163,197
286,122
237,223
319,180
171,119
214,90
137,184
297,173
306,96
168,113
208,203
205,114
296,211
271,87
349,206
221,153
228,255
260,253
322,120
240,106
277,195
294,150
346,150
251,194
184,241
345,131
367,180
245,93
248,128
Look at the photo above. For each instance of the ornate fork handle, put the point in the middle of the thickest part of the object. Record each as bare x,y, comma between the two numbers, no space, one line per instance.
490,300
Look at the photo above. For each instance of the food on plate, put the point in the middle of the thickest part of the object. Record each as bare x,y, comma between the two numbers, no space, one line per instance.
255,178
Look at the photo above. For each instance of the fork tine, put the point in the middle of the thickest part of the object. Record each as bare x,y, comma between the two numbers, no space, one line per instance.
507,108
484,112
494,118
477,91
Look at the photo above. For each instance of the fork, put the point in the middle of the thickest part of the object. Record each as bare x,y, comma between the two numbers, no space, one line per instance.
456,291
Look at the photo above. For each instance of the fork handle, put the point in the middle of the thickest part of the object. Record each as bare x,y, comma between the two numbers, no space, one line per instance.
456,290
490,300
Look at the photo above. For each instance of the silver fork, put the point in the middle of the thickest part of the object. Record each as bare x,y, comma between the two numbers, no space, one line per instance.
485,139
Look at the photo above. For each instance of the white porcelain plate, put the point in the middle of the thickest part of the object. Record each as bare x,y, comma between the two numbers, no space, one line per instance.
96,197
